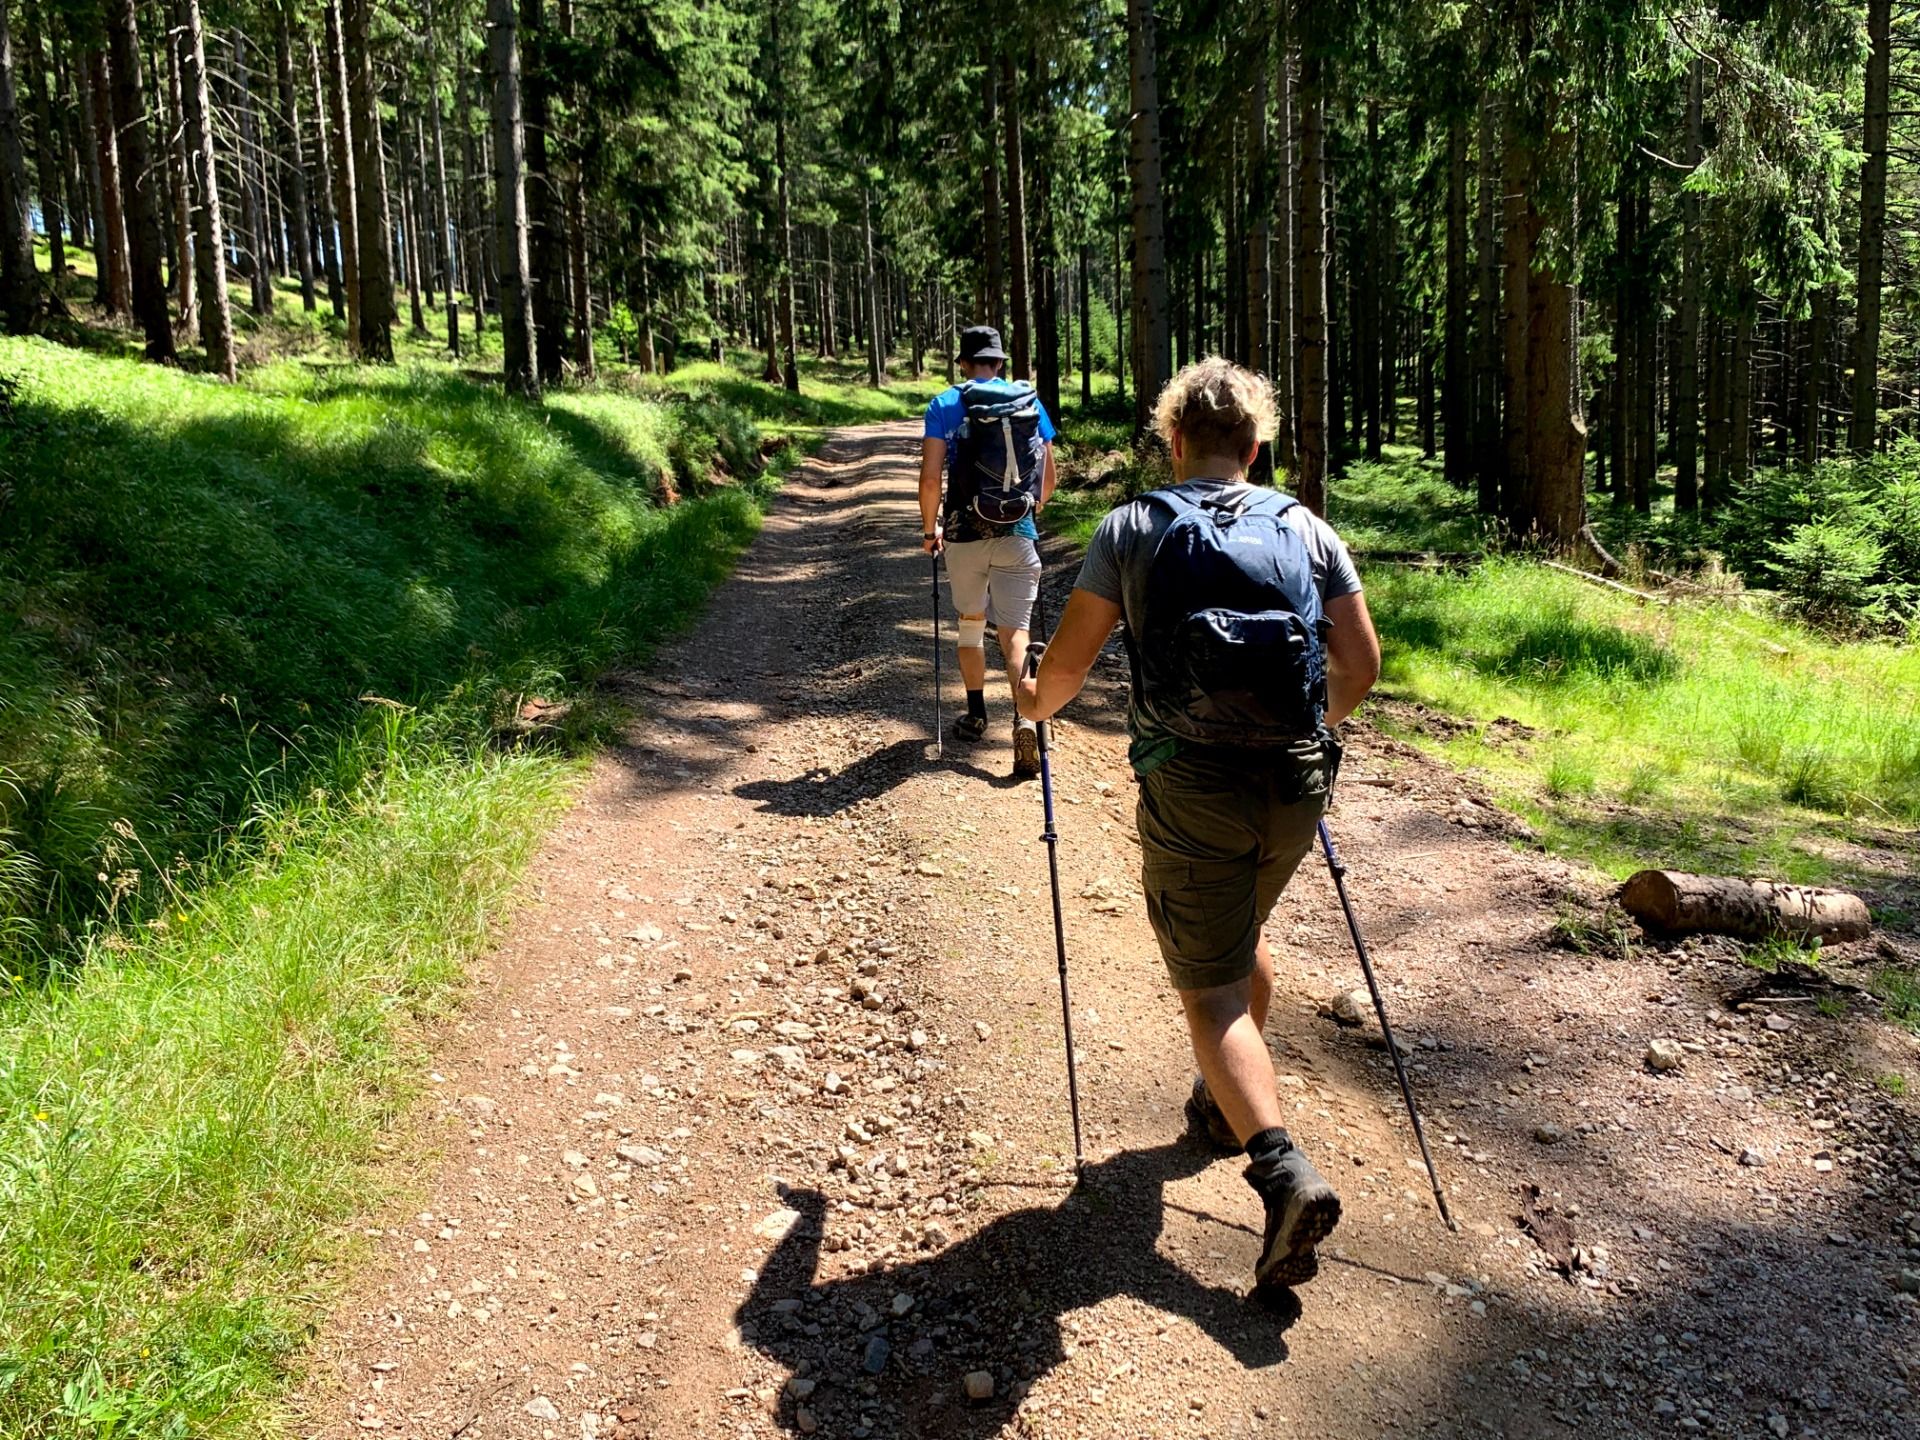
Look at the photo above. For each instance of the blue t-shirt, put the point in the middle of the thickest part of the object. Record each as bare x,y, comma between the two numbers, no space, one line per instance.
945,414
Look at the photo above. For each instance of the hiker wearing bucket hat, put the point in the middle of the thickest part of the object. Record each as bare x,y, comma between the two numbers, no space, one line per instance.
986,469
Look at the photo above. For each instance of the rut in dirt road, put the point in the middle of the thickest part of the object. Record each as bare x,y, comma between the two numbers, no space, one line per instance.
757,1123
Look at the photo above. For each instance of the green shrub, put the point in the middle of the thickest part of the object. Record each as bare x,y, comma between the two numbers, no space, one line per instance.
1827,572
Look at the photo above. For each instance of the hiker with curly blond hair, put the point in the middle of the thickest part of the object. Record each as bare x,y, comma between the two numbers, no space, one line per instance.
1249,639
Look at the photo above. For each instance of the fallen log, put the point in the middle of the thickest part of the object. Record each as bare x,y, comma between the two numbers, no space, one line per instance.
1681,904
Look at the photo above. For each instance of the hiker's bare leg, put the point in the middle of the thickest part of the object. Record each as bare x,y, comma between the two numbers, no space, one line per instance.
1232,1053
973,659
1260,987
1013,645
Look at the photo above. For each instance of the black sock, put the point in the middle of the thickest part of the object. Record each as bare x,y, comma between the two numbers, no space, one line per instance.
977,704
1268,1142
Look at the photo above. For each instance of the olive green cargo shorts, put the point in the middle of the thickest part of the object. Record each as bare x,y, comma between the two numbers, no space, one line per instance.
1221,833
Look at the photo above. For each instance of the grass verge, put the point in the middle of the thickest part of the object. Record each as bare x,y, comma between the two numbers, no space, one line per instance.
183,1120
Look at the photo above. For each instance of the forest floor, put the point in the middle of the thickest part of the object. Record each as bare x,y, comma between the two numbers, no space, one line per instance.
756,1120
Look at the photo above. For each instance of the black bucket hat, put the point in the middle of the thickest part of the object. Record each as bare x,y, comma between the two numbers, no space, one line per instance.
980,342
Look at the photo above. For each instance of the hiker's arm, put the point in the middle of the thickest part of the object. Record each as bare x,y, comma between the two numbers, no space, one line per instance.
1048,477
1353,656
1084,627
933,464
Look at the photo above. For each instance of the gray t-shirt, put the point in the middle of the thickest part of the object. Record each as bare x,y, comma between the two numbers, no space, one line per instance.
1122,551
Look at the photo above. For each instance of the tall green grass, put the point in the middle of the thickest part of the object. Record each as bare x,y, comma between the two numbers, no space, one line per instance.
1660,734
183,1122
203,586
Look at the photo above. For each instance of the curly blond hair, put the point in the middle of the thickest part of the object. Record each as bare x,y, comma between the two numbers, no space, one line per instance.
1217,408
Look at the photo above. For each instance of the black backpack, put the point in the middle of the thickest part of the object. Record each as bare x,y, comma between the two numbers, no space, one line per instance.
1231,649
998,455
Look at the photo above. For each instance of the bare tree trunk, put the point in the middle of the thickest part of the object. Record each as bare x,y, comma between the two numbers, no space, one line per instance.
1370,284
996,314
145,236
253,221
209,231
19,281
545,254
1488,372
115,284
1120,350
1805,378
1046,300
1086,330
790,358
1282,355
1740,392
373,219
1871,265
830,300
449,250
326,223
410,233
1557,446
876,358
1018,271
49,153
1310,270
1685,425
1152,341
577,242
1714,488
185,271
346,190
1515,316
473,207
1259,223
295,154
516,299
1455,400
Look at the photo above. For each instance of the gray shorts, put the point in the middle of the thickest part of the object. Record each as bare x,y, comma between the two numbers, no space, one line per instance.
999,578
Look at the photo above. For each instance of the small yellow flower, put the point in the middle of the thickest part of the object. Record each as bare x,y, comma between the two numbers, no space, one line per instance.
42,1116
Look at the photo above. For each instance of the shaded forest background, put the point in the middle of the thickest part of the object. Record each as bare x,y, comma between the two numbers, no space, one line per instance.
1575,247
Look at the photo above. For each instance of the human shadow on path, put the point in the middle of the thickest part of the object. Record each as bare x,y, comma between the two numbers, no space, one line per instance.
872,1363
818,791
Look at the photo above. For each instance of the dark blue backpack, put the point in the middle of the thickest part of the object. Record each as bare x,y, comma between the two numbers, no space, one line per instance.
998,454
1231,649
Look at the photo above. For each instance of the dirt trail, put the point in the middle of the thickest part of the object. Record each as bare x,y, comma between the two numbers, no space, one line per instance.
757,1122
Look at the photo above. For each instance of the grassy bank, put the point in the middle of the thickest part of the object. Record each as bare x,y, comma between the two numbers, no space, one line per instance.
186,1119
257,645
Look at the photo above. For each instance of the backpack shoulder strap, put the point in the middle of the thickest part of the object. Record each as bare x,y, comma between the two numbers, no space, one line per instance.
1177,503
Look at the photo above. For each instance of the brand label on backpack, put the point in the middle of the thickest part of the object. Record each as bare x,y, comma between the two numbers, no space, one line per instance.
998,454
1231,648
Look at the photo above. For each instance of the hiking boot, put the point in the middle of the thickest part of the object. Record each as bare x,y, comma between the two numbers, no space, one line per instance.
1206,1118
1026,749
969,727
1301,1212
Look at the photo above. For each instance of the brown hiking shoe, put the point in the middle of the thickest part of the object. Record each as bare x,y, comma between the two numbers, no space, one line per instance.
1026,749
1206,1118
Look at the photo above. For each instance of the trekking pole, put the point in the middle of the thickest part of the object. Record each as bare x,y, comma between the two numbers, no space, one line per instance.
1337,867
1052,837
939,736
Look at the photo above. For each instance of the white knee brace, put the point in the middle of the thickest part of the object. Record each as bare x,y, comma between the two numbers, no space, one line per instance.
973,633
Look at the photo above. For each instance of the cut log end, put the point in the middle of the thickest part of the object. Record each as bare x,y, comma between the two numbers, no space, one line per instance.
1683,904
